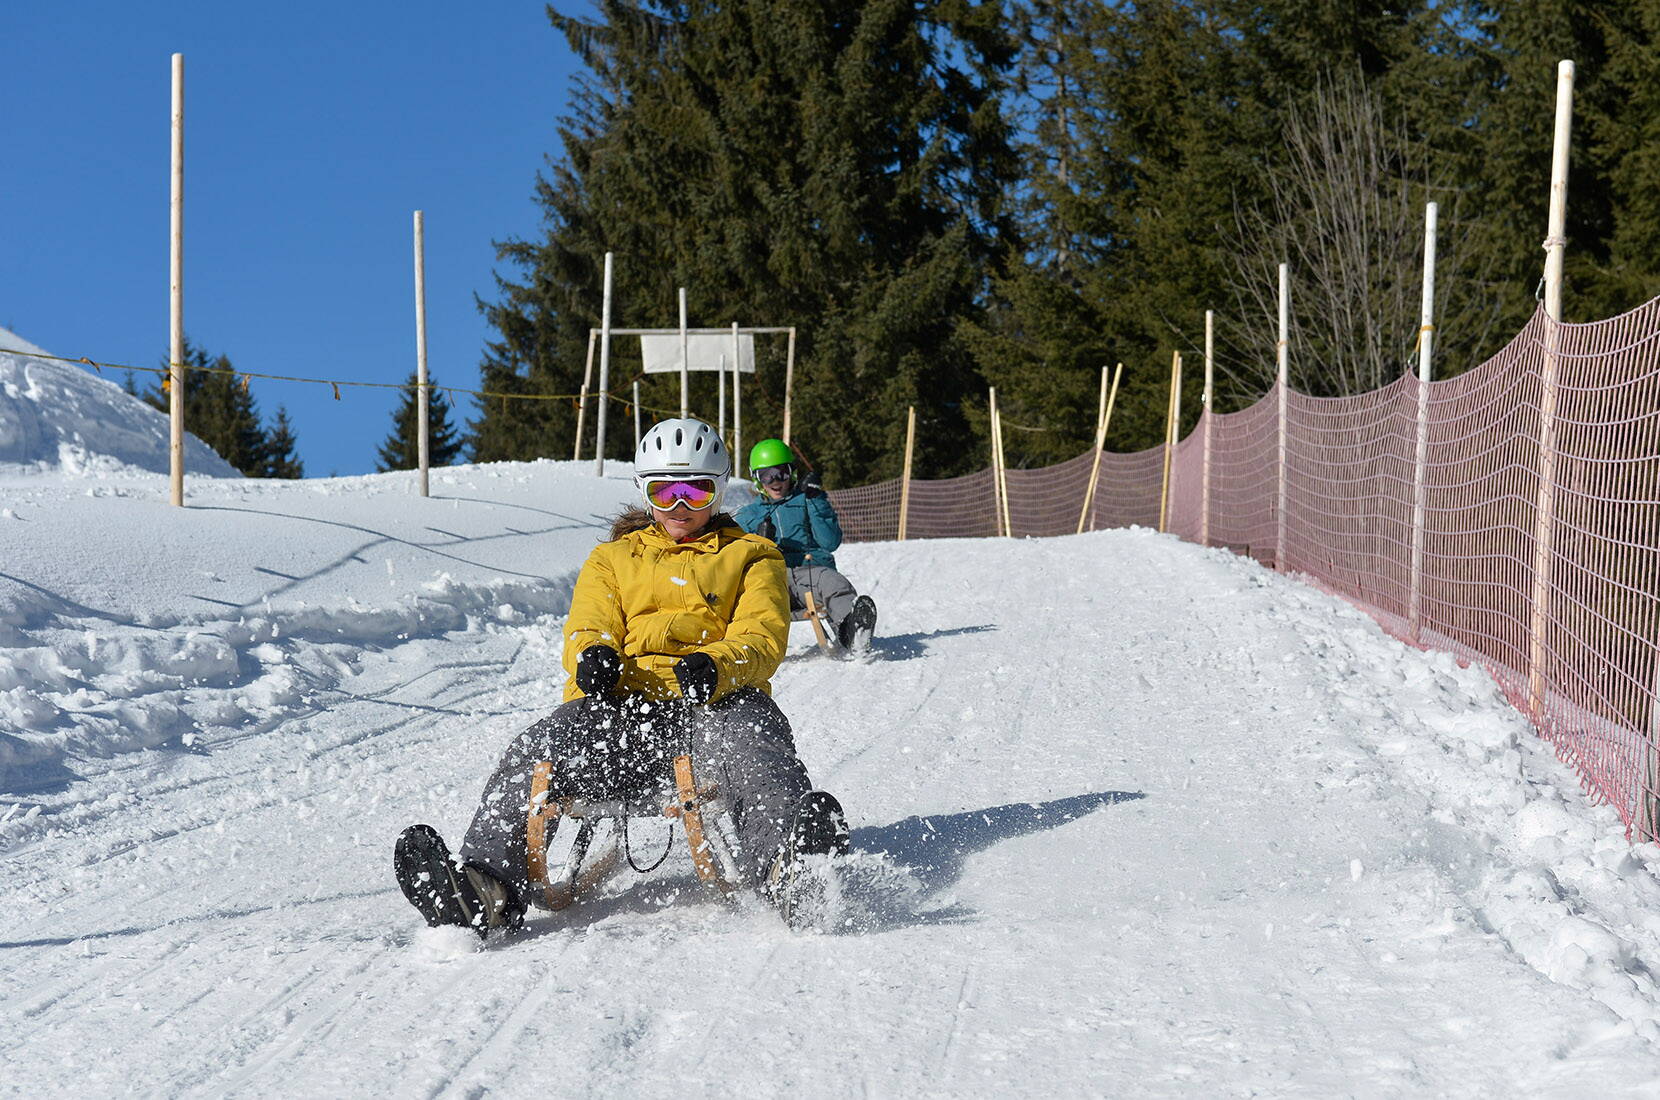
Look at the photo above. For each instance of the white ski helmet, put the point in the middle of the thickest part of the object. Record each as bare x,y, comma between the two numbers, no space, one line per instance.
682,448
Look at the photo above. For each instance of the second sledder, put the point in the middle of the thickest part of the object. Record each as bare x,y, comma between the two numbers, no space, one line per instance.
802,521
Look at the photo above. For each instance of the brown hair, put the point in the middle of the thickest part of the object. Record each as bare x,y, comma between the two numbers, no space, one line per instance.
634,518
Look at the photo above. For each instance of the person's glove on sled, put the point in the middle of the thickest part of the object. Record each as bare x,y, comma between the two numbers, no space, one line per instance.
598,669
697,676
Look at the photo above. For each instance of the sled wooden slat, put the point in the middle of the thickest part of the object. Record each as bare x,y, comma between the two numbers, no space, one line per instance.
540,810
690,812
817,618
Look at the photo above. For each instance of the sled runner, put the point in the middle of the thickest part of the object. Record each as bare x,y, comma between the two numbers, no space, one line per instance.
822,628
575,844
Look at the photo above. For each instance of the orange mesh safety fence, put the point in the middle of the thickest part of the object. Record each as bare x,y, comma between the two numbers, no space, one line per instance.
1526,538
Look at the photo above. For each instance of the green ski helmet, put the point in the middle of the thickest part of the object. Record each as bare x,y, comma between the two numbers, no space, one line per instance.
769,452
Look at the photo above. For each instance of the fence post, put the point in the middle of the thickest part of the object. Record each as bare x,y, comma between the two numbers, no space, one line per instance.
685,360
999,487
636,418
720,423
604,372
1100,443
789,383
1282,374
582,402
176,367
1556,244
737,405
1173,412
905,482
422,401
1426,344
1210,392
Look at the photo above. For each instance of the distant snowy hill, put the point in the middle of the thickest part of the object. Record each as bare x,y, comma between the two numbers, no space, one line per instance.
57,416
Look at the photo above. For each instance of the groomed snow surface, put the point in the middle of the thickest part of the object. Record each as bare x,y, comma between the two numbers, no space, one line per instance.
1148,819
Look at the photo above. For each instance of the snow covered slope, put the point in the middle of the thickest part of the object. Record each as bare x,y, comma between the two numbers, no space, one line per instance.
57,416
1172,825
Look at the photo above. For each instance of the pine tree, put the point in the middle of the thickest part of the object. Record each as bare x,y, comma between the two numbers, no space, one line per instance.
401,450
281,458
840,166
218,409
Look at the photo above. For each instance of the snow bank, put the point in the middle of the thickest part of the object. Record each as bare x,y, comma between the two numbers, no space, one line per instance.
58,416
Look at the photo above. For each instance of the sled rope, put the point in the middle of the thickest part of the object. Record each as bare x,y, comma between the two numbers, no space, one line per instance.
629,852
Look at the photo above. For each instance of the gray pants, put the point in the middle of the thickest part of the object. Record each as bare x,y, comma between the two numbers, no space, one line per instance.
831,591
623,748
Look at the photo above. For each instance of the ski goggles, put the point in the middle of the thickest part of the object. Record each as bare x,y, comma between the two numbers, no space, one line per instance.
696,493
774,475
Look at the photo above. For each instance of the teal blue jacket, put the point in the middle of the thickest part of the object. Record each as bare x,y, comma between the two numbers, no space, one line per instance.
804,526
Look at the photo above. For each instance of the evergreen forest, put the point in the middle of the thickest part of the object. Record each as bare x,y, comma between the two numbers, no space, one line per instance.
945,195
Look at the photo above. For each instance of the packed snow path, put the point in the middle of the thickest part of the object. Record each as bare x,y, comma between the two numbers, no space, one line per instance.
1176,826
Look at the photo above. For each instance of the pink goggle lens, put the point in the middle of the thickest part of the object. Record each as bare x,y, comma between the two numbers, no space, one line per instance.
694,493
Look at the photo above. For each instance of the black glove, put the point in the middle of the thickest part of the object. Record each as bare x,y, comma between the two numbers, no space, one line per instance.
768,530
697,676
598,669
810,484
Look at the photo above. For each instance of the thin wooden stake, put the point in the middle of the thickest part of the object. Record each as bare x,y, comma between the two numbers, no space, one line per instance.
422,411
737,405
582,402
1556,243
604,371
1282,375
1426,338
1209,415
1172,412
1101,424
685,360
636,418
905,478
789,383
176,366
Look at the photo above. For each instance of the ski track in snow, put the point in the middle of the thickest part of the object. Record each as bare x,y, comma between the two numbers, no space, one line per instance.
1133,817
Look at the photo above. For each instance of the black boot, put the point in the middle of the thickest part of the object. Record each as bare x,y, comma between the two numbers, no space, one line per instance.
859,626
819,829
447,891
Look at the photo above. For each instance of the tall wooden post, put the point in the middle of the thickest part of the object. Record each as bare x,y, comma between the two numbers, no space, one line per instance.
1426,344
1282,376
995,431
737,405
1556,243
1105,418
422,438
1207,414
176,364
582,402
905,478
789,383
604,371
1171,427
720,423
636,417
685,360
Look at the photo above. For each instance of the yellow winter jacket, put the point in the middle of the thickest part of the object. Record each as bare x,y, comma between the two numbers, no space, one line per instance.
654,601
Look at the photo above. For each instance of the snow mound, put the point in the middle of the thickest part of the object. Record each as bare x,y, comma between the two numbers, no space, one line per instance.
56,416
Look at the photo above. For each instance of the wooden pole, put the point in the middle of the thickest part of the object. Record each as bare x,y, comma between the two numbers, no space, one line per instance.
789,383
1556,243
737,405
1207,414
993,434
905,478
1282,375
176,365
1173,412
604,372
720,426
1002,465
1426,339
685,360
636,417
1101,422
422,410
582,402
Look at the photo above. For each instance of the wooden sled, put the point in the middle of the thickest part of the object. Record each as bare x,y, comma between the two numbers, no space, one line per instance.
573,845
822,628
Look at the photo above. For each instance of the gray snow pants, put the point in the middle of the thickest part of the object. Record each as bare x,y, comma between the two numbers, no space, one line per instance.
623,748
831,591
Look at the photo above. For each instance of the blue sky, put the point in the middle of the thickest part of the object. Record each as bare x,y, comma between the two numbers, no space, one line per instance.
313,132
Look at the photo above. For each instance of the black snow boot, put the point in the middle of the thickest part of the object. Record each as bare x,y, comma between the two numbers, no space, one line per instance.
445,890
859,626
819,830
